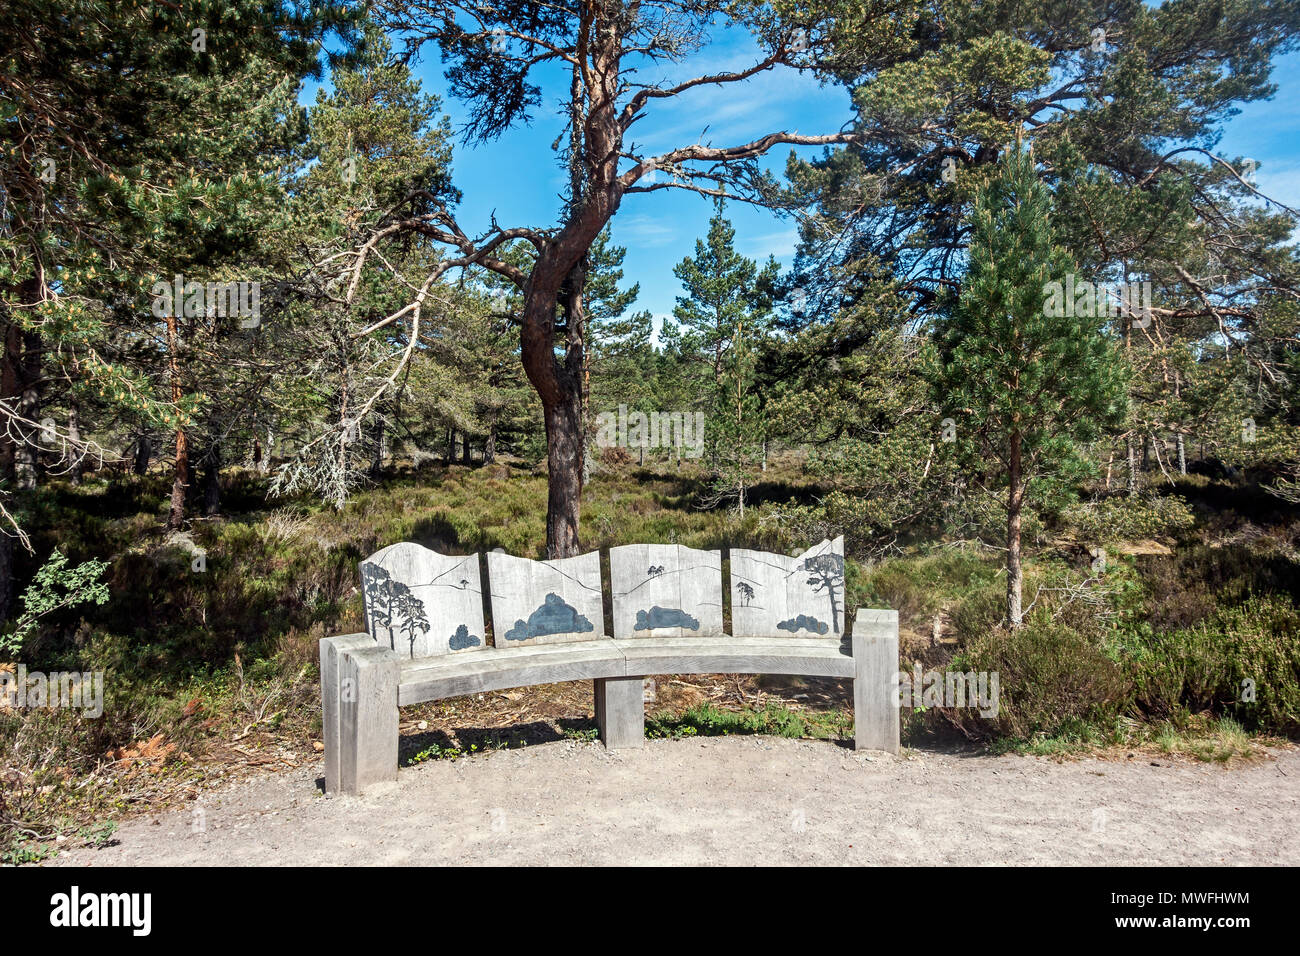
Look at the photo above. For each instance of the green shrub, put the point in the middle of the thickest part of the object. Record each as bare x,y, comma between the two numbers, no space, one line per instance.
708,720
1186,588
1202,668
921,587
1053,680
1121,518
55,587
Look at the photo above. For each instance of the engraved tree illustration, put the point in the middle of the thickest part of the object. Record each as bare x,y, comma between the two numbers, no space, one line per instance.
827,575
377,586
746,593
409,610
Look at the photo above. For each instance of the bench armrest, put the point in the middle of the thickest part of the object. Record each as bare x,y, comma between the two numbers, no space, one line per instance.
359,681
875,682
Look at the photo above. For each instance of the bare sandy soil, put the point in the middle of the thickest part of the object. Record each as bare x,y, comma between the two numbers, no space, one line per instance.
741,800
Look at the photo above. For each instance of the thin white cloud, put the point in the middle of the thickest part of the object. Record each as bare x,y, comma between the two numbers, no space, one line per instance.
645,230
781,244
1280,181
734,113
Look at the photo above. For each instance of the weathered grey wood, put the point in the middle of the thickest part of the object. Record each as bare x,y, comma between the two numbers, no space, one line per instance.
620,712
500,668
421,603
545,602
814,657
331,650
665,590
773,595
368,678
667,597
875,685
598,701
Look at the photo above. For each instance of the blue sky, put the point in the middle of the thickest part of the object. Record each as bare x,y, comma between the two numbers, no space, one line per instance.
518,178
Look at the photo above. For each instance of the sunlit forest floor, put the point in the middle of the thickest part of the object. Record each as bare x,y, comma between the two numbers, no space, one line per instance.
211,674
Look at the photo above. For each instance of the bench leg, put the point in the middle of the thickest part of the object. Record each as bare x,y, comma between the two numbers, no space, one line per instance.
331,654
620,711
875,682
368,678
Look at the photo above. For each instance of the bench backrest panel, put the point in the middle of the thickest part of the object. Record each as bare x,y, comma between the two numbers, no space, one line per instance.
777,596
545,602
421,603
665,590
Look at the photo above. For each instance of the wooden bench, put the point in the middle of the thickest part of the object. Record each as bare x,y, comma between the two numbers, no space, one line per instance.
426,641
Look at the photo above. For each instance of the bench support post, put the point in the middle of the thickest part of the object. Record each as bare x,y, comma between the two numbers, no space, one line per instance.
331,662
359,712
620,711
875,682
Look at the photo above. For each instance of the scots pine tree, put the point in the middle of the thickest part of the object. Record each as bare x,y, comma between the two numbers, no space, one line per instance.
376,143
609,332
723,301
721,320
1024,384
498,58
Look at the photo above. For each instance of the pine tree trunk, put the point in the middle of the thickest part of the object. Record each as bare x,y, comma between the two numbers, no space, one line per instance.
557,278
1131,450
377,458
490,445
181,469
1182,454
563,459
1015,502
212,481
180,482
466,452
588,423
72,459
143,452
559,386
29,408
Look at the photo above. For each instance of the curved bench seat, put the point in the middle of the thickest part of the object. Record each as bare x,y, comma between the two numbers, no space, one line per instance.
805,656
502,668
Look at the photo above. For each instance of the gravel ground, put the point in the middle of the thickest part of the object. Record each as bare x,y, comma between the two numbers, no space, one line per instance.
741,800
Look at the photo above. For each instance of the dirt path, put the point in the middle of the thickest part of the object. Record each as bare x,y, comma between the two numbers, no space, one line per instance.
739,800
